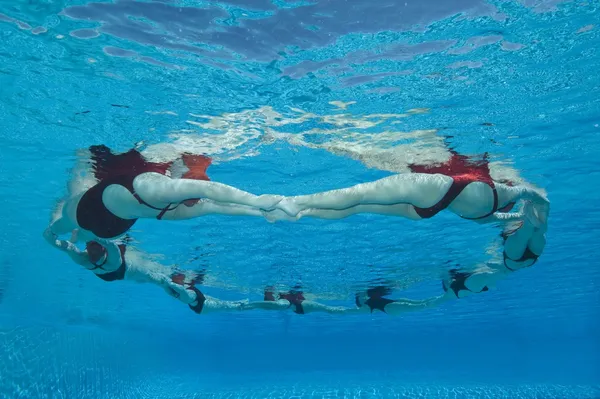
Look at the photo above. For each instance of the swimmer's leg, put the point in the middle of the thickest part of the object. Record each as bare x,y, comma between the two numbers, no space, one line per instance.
403,305
421,190
267,305
207,207
215,305
312,307
61,226
517,241
525,238
404,210
477,281
180,292
157,190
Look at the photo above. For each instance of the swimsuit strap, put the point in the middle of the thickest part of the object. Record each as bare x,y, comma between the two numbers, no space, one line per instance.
162,210
459,183
99,266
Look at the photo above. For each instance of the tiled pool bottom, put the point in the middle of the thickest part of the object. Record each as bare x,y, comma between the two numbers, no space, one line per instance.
86,363
410,392
162,389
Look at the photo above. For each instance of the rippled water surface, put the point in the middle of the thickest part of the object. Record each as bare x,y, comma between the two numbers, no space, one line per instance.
292,98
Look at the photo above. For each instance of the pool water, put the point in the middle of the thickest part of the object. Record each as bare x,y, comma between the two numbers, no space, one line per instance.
295,98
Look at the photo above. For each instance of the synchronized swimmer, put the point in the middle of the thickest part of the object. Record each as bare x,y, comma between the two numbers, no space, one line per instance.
462,186
125,187
112,262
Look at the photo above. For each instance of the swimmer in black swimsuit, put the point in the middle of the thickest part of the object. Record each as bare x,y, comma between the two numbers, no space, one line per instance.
374,299
523,243
457,283
294,300
111,262
127,186
522,246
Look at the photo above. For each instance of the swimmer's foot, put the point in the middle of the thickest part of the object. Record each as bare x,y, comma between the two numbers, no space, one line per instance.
289,206
278,215
268,202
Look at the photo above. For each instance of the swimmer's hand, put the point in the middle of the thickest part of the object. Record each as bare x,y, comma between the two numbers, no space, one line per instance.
53,240
74,236
49,236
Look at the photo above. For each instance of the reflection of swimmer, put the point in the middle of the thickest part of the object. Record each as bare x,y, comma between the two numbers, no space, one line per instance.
294,300
127,187
523,245
460,185
375,299
188,293
459,284
111,262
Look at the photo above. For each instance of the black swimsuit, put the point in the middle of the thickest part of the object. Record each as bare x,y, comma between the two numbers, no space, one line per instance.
294,298
118,274
527,255
200,298
92,214
458,283
375,299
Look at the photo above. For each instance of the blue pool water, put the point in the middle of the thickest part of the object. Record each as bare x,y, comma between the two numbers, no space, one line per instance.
293,98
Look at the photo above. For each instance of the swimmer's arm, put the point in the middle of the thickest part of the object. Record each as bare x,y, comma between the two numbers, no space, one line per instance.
60,226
